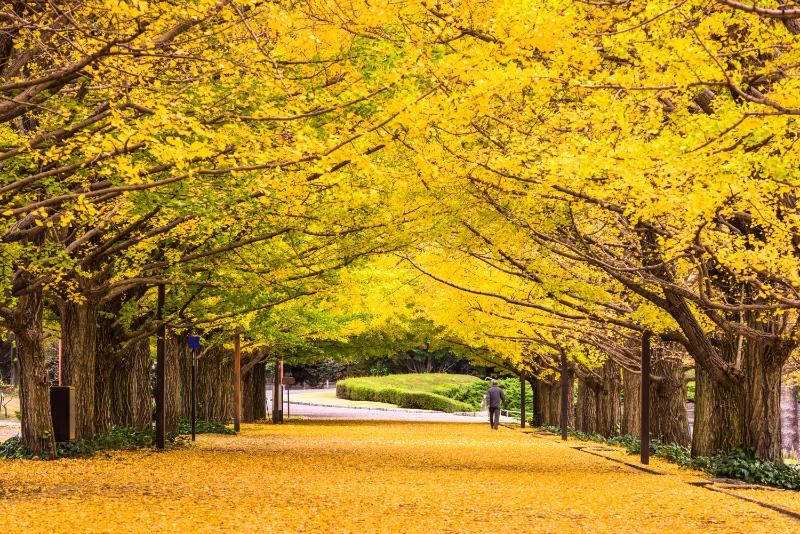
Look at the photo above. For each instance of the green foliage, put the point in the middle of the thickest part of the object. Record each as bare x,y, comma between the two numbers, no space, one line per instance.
118,438
738,463
672,452
690,389
420,391
426,382
626,441
12,449
380,368
315,374
474,393
745,466
471,394
204,427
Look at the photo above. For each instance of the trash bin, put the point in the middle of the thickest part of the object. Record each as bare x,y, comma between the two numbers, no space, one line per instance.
62,407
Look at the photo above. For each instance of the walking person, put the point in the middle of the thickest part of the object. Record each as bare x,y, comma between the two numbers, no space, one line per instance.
495,399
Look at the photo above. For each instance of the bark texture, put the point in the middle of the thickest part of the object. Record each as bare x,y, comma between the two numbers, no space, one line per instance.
254,398
632,403
215,385
131,394
172,383
609,400
586,408
550,396
669,422
79,342
37,423
744,409
599,406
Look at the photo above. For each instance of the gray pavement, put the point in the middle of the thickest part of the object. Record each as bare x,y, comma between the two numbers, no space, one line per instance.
8,429
313,409
310,409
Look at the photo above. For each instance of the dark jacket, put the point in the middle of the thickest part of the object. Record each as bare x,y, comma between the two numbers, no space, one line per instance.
495,396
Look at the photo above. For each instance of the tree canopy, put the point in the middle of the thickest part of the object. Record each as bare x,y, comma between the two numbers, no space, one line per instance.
525,182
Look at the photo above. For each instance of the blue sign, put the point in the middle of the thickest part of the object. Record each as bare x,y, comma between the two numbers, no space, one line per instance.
194,342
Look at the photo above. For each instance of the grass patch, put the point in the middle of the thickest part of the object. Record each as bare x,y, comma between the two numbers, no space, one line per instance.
329,398
421,391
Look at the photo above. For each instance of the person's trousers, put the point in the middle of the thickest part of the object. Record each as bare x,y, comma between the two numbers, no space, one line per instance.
494,417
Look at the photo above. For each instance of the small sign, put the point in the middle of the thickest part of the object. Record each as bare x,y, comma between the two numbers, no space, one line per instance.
288,380
193,342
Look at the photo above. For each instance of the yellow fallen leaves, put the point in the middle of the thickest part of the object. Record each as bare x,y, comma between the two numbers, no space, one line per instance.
339,476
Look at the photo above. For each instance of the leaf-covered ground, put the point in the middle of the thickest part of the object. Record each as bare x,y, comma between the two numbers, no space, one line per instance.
366,477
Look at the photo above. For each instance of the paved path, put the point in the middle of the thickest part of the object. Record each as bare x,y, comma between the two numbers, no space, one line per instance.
8,429
317,409
320,409
384,414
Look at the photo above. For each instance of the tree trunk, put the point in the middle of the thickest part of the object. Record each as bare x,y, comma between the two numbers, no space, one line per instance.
185,365
742,411
172,383
259,398
215,386
609,412
37,422
716,415
632,403
542,403
247,396
106,345
554,403
535,413
102,394
131,394
79,331
586,409
669,422
761,400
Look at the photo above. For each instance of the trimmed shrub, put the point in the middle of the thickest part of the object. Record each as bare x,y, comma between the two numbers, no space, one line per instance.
353,389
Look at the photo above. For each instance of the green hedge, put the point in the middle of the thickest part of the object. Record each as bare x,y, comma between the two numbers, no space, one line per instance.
359,390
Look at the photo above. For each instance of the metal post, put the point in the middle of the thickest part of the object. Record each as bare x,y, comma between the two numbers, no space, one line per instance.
193,342
160,352
288,402
60,355
645,422
237,383
194,393
564,397
522,399
277,397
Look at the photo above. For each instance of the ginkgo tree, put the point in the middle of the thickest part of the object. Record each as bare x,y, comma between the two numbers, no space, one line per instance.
622,166
650,142
142,140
